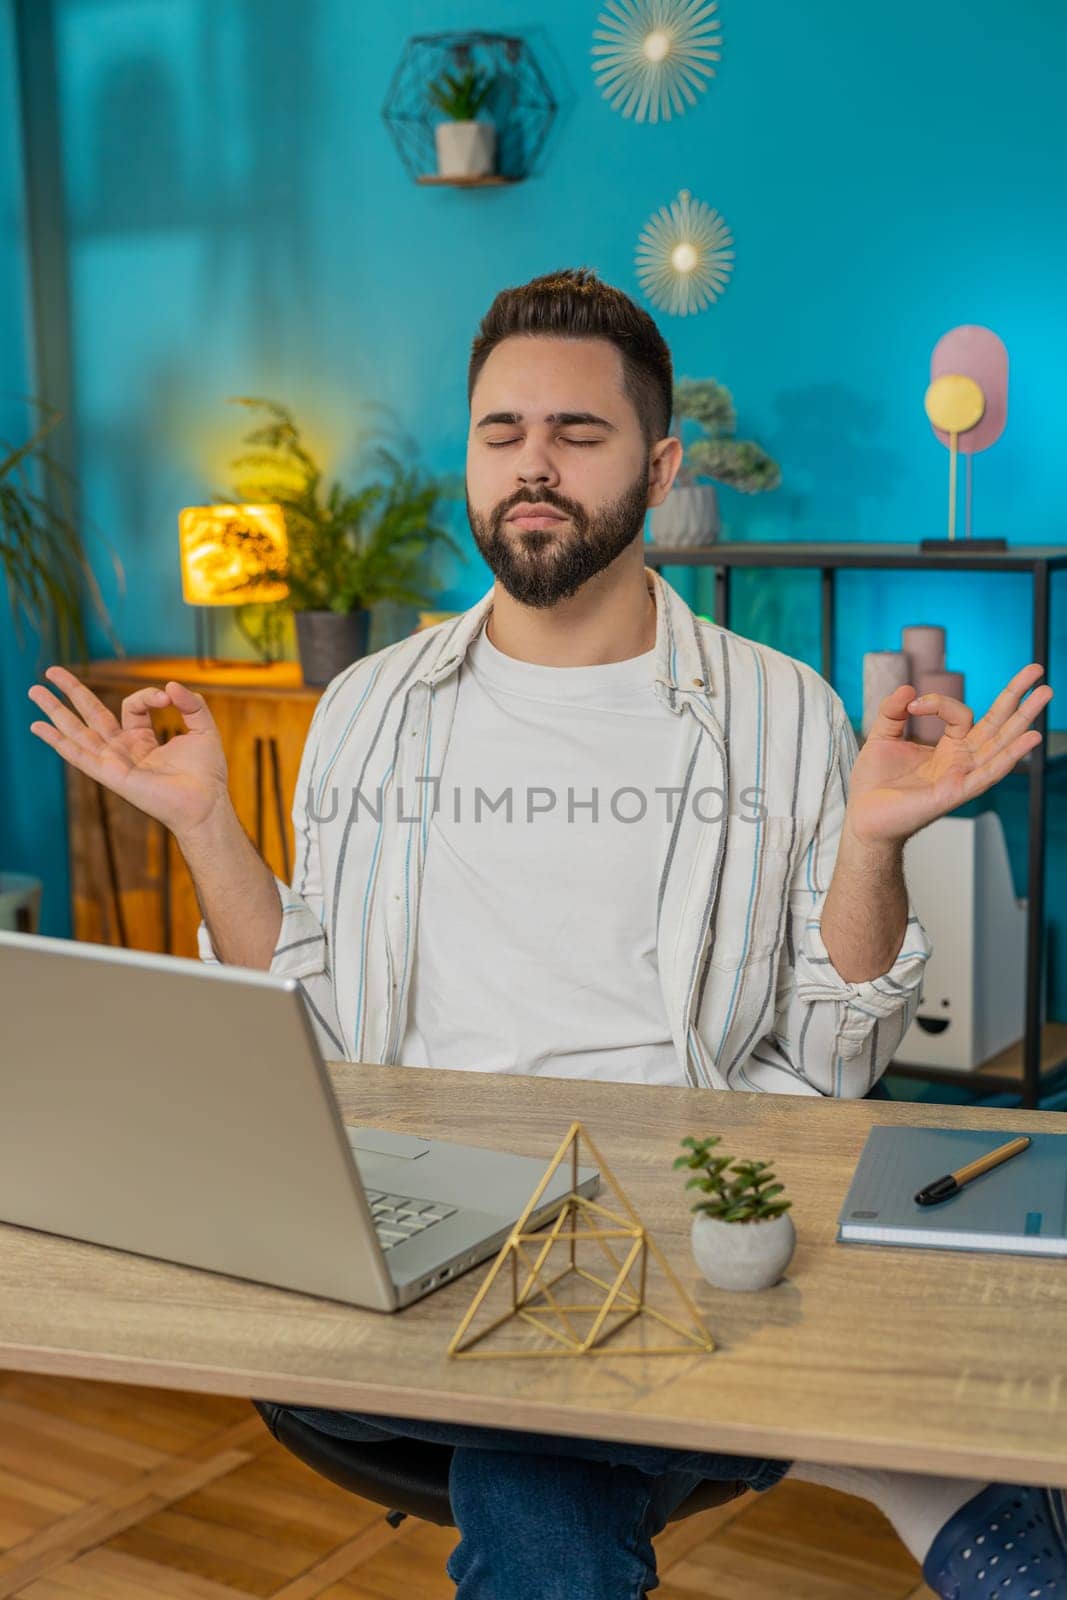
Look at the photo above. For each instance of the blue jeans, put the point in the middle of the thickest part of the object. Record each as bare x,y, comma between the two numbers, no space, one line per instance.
545,1517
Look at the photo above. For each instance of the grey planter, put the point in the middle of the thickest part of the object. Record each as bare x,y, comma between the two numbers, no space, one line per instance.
689,517
742,1255
329,641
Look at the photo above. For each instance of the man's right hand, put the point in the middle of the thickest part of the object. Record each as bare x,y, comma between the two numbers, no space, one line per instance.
180,783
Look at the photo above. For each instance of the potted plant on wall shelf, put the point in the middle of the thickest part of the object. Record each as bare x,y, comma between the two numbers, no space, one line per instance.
466,147
689,516
347,550
742,1235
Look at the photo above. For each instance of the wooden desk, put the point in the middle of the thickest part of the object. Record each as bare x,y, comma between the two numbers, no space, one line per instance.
930,1361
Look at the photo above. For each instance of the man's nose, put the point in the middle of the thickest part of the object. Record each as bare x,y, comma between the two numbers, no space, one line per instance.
535,465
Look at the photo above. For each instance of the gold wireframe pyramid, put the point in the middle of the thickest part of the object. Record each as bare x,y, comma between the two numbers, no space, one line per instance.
580,1221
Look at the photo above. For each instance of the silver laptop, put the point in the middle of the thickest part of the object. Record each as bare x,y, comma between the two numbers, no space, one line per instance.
178,1110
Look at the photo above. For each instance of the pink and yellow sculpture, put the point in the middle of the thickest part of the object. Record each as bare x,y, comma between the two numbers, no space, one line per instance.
967,404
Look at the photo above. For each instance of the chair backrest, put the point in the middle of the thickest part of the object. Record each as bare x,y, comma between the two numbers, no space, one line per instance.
406,1475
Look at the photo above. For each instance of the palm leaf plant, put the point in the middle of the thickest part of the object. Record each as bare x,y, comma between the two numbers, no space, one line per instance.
41,550
348,549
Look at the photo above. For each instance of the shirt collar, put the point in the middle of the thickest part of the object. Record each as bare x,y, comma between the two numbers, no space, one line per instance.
682,663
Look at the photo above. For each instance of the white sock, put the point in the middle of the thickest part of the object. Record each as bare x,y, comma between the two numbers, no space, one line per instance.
916,1505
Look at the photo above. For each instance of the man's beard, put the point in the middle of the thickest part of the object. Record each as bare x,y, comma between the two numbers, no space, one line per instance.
540,566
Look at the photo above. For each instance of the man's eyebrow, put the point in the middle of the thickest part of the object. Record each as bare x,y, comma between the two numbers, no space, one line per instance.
566,419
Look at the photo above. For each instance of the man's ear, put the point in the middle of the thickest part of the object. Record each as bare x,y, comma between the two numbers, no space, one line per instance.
663,464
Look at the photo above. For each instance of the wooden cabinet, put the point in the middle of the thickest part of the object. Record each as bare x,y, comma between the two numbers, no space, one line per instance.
129,883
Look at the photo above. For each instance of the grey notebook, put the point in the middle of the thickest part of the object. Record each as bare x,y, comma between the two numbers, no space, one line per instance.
1019,1208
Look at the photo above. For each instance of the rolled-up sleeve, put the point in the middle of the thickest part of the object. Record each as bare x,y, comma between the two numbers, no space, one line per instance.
835,1037
302,950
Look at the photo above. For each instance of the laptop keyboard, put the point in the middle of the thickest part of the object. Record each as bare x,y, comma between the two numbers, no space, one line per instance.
396,1217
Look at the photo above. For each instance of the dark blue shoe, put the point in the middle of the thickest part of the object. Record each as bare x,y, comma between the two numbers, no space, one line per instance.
1008,1543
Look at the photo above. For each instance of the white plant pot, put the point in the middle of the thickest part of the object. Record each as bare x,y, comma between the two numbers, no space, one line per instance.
688,517
465,149
742,1255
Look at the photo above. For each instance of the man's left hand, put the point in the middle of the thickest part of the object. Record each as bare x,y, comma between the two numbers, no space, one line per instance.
897,786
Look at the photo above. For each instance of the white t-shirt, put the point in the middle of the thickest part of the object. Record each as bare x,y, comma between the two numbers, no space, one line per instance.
536,949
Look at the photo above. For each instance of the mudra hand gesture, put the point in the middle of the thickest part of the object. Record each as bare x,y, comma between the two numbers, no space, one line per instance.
178,782
897,787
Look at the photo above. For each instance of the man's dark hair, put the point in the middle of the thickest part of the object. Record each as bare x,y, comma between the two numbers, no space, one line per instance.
575,304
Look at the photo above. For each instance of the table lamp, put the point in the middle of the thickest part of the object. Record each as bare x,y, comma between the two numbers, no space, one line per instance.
230,556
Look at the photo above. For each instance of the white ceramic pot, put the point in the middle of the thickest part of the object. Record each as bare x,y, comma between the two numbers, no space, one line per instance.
465,149
688,517
742,1255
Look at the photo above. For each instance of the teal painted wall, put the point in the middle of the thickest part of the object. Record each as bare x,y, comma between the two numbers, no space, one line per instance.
32,799
239,222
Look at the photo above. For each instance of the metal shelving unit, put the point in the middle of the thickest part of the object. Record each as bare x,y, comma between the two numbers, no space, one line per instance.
1035,1077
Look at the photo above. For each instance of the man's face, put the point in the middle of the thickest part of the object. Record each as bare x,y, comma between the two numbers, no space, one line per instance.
557,465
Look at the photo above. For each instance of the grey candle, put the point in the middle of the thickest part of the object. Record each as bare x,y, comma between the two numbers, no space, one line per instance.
924,645
883,671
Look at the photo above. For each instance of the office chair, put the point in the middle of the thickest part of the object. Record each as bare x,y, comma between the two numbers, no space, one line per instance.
409,1476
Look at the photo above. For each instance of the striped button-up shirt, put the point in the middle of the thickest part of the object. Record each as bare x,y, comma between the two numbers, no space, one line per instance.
751,996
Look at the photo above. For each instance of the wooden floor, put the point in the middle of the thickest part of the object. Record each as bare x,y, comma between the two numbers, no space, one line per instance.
115,1493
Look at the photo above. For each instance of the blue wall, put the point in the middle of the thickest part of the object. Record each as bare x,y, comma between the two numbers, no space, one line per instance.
32,797
240,222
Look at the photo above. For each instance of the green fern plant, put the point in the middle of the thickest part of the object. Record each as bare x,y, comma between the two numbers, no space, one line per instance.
743,1194
348,549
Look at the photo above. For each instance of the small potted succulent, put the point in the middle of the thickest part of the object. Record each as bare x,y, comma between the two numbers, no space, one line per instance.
742,1235
690,514
466,147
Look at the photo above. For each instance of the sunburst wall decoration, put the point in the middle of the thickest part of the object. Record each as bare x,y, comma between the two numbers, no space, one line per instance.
684,256
655,55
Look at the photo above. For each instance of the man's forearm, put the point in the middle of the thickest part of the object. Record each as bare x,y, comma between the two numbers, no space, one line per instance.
865,916
236,890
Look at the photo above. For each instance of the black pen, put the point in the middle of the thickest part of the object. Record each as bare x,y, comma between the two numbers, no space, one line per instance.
953,1182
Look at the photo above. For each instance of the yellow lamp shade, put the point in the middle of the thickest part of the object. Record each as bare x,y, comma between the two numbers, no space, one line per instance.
430,619
954,403
232,555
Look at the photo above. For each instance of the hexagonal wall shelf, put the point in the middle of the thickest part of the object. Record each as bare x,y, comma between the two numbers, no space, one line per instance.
520,105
